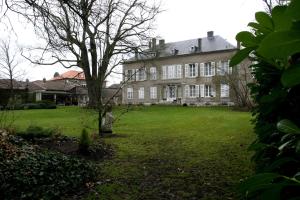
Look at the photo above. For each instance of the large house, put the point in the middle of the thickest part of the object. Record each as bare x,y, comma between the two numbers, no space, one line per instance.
190,72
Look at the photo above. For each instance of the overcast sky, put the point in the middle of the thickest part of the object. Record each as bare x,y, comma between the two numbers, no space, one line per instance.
181,20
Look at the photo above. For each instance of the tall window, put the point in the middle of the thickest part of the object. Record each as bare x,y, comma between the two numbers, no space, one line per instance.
192,91
129,93
153,92
207,91
224,90
224,68
152,73
130,75
141,93
208,69
141,74
192,70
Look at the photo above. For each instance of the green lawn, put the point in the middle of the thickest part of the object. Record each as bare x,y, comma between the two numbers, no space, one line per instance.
164,152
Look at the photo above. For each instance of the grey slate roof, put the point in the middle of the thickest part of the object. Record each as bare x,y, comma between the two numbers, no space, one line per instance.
215,43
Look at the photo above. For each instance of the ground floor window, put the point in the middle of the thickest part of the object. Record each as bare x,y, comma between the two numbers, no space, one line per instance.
207,91
153,92
141,93
192,91
224,90
129,93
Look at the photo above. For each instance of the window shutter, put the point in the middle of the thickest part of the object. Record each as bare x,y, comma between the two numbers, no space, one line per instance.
137,73
213,68
196,69
230,68
187,89
197,90
219,64
186,70
154,92
145,73
222,91
164,72
179,71
126,75
202,69
213,91
202,90
227,91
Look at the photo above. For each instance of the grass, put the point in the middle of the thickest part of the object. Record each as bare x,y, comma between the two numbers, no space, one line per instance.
164,152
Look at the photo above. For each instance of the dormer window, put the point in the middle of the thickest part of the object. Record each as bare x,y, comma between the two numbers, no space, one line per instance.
175,51
194,49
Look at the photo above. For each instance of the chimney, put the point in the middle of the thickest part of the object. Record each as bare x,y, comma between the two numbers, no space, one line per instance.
153,43
149,45
238,45
199,44
44,80
161,43
136,53
27,83
210,34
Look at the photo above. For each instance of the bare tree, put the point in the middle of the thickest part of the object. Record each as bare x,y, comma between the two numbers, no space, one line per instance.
9,62
270,4
238,79
94,35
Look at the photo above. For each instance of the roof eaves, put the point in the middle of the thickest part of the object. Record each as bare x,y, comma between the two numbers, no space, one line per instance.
181,55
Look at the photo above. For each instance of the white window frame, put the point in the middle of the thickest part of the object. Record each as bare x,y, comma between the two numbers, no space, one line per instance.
141,74
141,93
153,72
153,92
192,70
207,91
171,72
224,90
224,68
208,69
130,75
129,93
192,92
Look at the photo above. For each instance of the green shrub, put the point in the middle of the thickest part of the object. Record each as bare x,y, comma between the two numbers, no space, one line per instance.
30,173
37,132
85,141
274,44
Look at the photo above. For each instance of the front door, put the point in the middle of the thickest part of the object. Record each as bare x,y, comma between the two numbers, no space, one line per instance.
171,93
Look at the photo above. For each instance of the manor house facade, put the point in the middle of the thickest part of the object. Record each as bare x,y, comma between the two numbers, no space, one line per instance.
192,72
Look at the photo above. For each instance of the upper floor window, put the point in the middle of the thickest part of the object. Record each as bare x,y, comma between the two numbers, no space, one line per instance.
141,74
191,70
129,93
152,73
207,69
130,75
224,68
171,72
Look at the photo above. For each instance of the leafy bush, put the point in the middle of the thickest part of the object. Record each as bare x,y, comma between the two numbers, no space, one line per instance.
30,173
275,46
85,141
37,132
